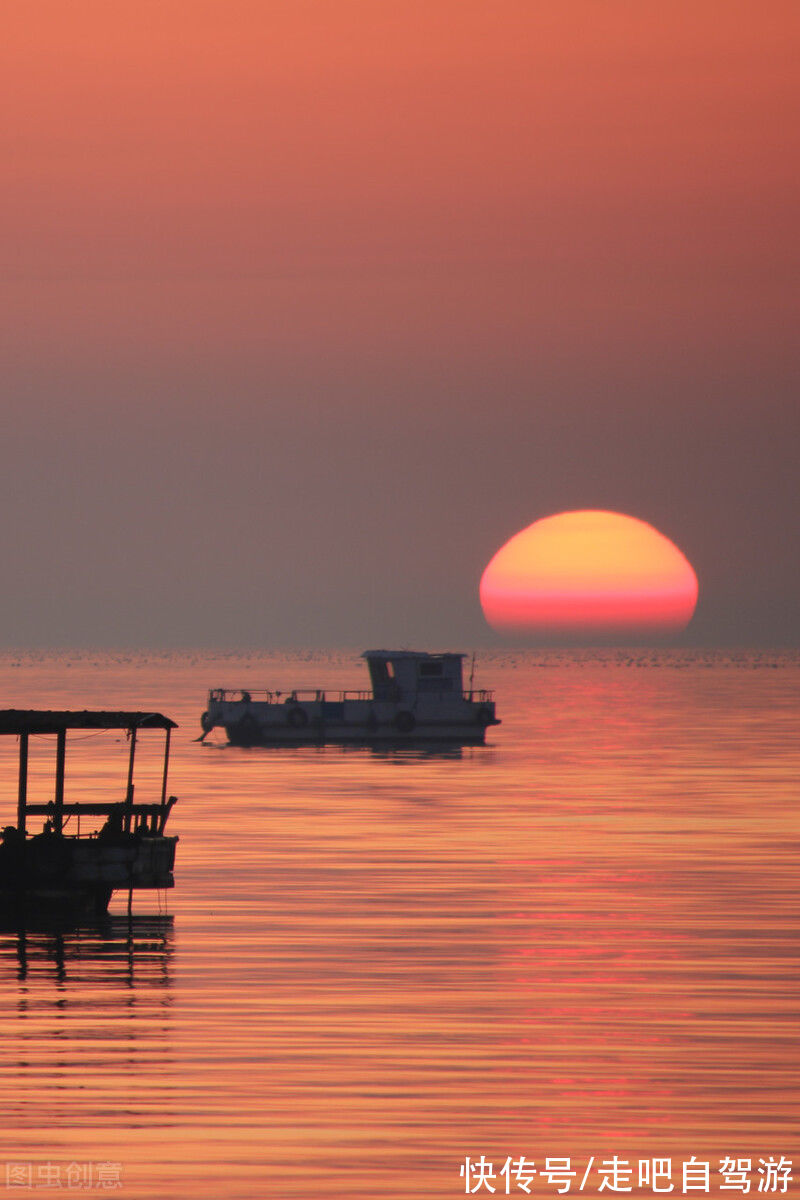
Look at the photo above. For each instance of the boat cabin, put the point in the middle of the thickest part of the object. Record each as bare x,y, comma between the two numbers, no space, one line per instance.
403,674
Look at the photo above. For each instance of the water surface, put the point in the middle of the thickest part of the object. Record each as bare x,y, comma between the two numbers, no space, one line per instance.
579,940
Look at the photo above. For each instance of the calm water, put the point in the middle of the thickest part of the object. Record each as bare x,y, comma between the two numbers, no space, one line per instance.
580,940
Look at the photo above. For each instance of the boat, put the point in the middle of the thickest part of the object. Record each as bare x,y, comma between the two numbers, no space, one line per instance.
415,696
71,863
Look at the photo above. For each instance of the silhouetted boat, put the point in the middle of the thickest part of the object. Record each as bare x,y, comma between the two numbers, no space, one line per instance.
415,696
55,869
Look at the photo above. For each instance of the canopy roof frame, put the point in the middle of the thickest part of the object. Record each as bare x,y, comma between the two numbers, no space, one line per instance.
14,721
26,722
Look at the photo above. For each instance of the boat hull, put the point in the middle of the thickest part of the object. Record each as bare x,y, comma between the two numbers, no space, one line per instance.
355,723
50,870
272,737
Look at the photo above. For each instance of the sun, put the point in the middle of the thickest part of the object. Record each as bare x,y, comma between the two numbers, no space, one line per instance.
589,574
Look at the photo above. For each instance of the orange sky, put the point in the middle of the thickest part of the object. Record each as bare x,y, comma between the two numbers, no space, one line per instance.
228,139
519,221
456,178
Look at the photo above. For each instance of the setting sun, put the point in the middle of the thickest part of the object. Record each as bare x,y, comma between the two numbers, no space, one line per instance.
589,574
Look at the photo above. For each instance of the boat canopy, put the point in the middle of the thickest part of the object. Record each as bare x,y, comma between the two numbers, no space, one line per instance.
26,723
20,720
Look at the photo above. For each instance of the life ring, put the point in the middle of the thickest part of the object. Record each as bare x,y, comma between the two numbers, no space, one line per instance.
206,724
405,721
484,716
297,717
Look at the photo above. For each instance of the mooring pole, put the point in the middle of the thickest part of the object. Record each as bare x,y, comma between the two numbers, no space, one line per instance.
61,752
23,782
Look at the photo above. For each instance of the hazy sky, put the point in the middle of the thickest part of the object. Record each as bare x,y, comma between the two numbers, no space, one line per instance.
308,306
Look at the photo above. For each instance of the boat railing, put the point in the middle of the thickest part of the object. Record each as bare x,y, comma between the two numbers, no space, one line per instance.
122,817
317,695
266,695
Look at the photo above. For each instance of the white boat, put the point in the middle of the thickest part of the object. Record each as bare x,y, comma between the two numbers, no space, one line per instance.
415,696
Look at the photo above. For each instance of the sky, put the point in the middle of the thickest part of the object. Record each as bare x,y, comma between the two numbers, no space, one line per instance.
307,307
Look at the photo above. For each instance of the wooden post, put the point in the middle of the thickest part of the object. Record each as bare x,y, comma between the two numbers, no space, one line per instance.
129,790
23,782
61,750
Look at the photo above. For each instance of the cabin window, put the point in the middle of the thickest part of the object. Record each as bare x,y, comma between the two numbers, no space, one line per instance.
435,685
429,670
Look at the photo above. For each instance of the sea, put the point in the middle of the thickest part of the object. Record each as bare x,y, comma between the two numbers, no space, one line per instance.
565,962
